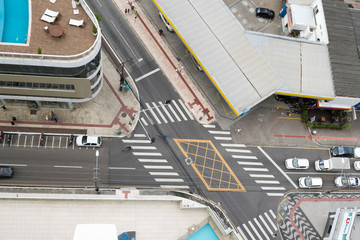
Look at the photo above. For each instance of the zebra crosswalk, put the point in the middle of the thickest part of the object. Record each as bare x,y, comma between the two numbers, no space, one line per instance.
247,161
159,113
153,161
260,227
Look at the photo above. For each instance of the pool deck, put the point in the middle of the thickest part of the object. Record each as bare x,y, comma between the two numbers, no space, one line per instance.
74,41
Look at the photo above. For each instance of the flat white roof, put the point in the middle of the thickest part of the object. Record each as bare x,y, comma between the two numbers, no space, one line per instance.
247,67
218,42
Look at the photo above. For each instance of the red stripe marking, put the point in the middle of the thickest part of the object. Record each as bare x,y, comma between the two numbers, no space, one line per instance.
317,137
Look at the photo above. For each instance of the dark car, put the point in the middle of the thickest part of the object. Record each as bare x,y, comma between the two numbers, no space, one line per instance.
345,152
264,13
6,172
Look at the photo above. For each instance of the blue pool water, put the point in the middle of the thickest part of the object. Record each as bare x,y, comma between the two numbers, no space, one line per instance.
14,20
204,233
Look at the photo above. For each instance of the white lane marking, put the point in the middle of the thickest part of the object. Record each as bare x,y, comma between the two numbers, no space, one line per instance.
220,132
242,233
99,3
139,135
166,111
223,138
262,176
250,163
147,74
237,150
157,167
265,224
149,118
143,147
173,111
267,182
159,112
186,109
135,141
179,110
318,173
152,160
59,166
248,231
169,180
209,126
144,121
270,221
275,194
152,113
272,188
164,173
14,165
272,213
127,44
121,168
244,156
173,186
256,169
280,170
232,145
146,154
261,229
255,231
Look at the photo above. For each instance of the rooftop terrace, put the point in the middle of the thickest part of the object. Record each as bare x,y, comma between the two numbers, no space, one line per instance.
74,41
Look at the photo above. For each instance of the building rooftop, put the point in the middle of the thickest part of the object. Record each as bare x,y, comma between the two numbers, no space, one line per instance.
74,41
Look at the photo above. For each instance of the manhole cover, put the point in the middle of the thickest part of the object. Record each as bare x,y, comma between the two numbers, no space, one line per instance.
123,114
33,111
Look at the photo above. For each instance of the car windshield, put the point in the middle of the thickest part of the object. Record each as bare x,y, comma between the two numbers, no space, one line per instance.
343,181
84,139
99,140
296,162
308,181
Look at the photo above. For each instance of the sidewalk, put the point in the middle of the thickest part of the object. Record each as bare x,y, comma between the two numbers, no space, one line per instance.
104,115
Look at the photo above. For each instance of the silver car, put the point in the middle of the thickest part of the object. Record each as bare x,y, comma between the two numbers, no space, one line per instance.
345,181
167,24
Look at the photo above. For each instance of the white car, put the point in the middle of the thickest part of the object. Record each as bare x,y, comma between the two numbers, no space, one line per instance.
167,24
345,181
310,182
357,165
297,163
88,141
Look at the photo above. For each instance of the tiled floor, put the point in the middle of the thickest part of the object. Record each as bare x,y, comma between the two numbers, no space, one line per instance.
74,41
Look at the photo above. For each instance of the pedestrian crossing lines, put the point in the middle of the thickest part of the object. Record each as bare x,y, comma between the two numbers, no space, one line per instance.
157,166
261,227
158,112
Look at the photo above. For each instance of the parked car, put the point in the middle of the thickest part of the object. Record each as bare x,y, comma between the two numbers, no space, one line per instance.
167,24
88,141
345,181
357,165
264,13
345,152
6,172
310,182
196,63
297,163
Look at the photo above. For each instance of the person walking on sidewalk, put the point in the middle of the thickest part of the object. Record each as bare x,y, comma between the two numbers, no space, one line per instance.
3,107
14,119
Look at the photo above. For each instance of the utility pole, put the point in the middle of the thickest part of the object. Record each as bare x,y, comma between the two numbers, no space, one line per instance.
96,174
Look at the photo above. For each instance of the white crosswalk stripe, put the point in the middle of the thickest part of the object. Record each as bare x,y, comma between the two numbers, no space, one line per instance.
209,126
244,156
149,118
254,229
270,221
275,194
232,145
250,163
261,229
146,154
143,147
137,135
256,169
237,150
242,233
272,188
174,186
223,138
152,113
164,173
157,167
186,109
152,160
178,108
272,214
144,121
168,180
265,224
160,113
174,113
220,132
267,182
163,107
135,141
262,176
248,232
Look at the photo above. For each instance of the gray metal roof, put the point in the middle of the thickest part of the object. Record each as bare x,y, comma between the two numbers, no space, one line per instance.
215,37
344,35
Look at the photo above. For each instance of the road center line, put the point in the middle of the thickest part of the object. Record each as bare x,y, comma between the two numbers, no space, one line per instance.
14,165
280,170
121,168
147,74
58,166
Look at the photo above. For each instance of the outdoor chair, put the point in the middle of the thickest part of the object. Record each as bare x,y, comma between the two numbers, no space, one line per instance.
76,23
48,19
51,13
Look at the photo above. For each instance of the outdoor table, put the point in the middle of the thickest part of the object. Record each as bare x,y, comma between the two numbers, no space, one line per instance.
56,31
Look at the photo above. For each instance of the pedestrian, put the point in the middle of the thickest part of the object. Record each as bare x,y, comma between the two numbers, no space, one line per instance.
52,114
161,32
56,119
126,11
274,234
132,7
14,119
12,123
237,130
4,107
152,140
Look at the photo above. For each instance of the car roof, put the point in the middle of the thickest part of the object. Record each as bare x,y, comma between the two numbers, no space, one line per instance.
92,139
316,180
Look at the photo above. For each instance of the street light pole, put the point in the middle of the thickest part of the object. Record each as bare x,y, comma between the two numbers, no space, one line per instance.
96,176
122,76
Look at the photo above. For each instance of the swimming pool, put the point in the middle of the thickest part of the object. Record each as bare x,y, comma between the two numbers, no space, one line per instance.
14,21
204,233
